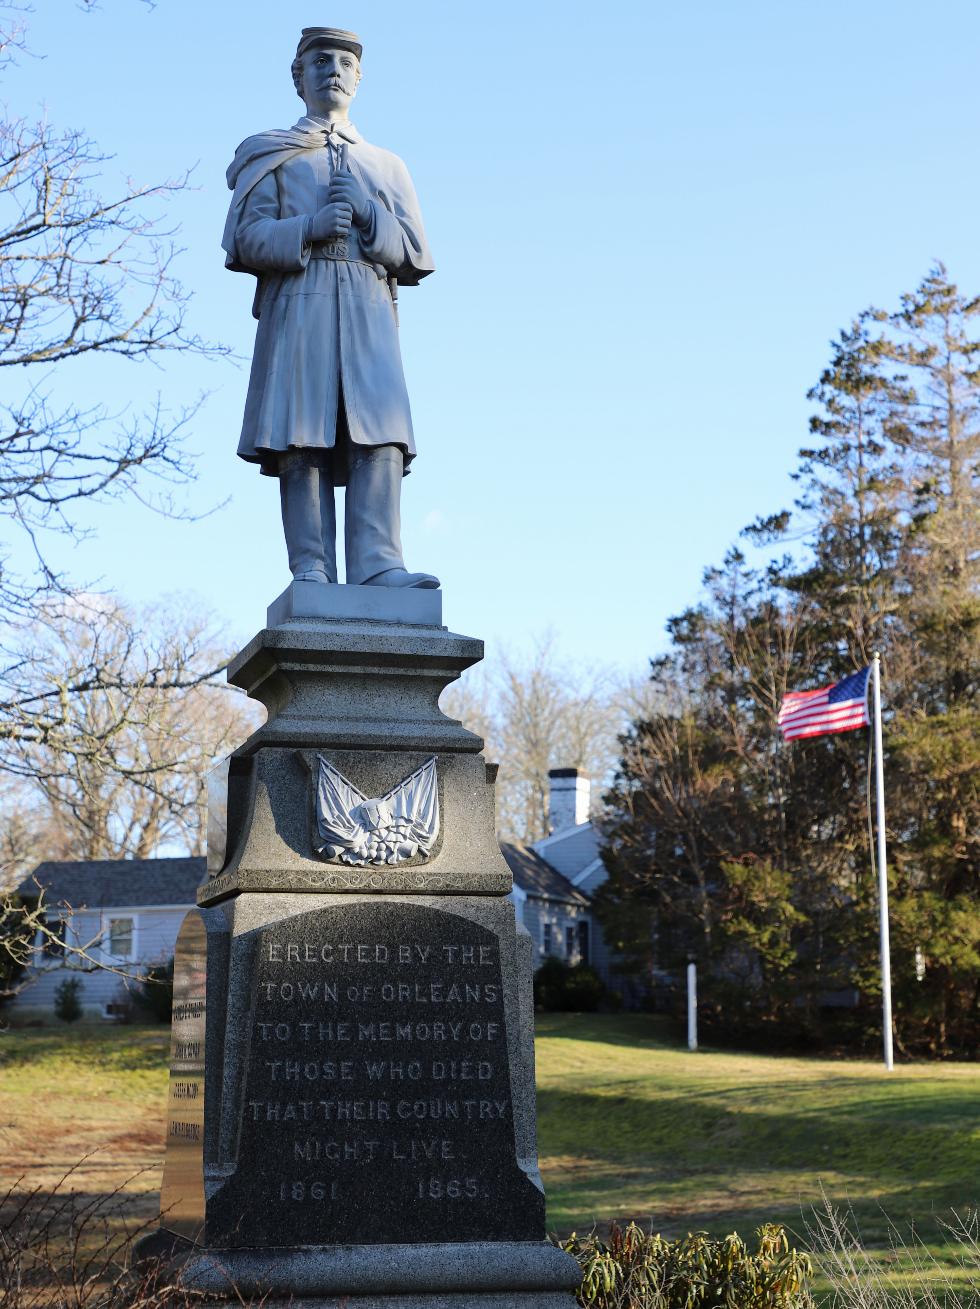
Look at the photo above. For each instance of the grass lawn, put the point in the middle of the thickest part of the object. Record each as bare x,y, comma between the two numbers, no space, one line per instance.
630,1126
633,1126
88,1098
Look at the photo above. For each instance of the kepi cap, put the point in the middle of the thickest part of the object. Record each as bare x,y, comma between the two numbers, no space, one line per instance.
333,36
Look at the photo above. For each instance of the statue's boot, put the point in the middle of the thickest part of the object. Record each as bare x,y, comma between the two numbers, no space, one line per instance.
372,530
309,518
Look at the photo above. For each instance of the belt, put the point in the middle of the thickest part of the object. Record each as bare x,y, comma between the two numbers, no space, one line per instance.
339,251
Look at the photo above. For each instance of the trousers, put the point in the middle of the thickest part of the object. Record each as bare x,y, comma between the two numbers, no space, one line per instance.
372,513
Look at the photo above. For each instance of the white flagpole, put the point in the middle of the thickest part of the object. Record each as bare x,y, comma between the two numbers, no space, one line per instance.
886,968
692,1006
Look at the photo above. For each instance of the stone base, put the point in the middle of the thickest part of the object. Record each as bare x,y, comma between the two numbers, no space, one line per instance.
379,604
355,682
464,1300
492,1274
351,1117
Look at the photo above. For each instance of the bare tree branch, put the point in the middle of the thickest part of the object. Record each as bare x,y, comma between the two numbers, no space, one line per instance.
538,712
112,719
34,934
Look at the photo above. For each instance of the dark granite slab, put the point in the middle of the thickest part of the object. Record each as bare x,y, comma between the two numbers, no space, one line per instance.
376,1105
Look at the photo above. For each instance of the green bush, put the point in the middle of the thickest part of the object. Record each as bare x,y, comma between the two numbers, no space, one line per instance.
559,988
636,1271
67,1005
156,992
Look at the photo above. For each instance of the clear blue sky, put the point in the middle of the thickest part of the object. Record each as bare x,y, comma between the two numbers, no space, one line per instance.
648,220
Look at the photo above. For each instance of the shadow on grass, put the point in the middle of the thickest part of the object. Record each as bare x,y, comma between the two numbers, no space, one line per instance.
613,1196
891,1100
637,1030
122,1208
686,1134
122,1049
662,1203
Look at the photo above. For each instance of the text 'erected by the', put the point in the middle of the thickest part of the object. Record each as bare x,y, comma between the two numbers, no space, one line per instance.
378,1080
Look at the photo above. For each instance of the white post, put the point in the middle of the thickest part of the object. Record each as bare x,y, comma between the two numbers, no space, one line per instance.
692,1006
886,968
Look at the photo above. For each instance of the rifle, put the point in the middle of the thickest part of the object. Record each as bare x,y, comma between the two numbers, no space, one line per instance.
343,164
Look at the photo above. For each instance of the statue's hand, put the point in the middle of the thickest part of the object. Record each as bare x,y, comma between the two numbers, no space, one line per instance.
334,219
346,189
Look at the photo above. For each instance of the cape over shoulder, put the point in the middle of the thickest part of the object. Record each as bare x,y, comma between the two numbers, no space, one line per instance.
277,140
256,157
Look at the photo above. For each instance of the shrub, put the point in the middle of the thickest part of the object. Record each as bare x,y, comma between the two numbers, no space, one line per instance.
67,1005
636,1271
584,990
155,995
559,988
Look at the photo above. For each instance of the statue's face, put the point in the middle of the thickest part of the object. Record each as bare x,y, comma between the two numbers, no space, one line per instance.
330,78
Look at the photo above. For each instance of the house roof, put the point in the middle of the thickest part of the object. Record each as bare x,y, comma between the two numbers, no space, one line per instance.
102,883
536,876
98,883
570,850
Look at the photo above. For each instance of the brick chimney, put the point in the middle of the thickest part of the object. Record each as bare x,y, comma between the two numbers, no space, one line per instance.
568,798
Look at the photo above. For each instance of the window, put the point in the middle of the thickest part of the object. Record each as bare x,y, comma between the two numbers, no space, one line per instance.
54,945
583,941
546,939
570,944
121,938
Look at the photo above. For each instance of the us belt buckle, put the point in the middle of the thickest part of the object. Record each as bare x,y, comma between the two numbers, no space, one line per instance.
336,248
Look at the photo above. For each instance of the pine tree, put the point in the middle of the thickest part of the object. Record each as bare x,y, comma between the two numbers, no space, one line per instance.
932,344
725,845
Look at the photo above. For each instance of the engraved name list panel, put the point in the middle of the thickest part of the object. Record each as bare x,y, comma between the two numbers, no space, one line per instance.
182,1191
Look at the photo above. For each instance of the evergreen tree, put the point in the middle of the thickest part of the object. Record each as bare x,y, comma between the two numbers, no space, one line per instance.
932,344
753,857
67,1005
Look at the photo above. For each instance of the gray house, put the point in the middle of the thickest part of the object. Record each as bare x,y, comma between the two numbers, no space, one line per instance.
124,912
127,912
556,878
555,914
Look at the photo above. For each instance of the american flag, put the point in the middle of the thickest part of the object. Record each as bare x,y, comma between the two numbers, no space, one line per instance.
837,708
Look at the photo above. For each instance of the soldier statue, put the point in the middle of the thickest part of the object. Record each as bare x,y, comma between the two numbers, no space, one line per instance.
330,227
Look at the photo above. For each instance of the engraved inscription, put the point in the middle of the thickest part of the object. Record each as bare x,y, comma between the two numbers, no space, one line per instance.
217,886
182,1193
187,1011
184,1131
377,1102
308,1191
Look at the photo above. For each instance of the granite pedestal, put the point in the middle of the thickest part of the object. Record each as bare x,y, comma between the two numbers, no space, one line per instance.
351,1115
